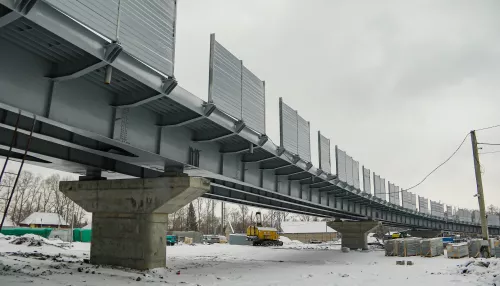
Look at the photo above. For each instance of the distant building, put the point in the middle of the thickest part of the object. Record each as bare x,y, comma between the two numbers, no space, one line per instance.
40,220
307,231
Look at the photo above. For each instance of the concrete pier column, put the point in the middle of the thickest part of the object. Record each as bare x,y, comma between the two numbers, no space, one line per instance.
354,233
129,217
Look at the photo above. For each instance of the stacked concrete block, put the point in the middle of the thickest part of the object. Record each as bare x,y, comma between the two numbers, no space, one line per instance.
497,252
403,247
475,247
432,247
457,250
409,247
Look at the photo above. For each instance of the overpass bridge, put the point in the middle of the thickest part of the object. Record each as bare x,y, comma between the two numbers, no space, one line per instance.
99,92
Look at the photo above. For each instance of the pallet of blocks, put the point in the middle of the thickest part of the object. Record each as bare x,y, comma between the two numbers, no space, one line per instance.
409,247
475,246
391,248
457,250
403,247
432,247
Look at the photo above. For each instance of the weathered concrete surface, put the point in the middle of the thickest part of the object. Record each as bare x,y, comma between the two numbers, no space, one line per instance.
354,233
425,233
129,217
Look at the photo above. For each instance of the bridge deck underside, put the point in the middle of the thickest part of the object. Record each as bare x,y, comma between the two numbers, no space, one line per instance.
52,69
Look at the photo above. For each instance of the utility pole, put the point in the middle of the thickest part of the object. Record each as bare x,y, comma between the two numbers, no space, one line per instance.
480,193
222,219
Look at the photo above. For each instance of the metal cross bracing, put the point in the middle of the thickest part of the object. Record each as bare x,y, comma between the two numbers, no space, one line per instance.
135,126
9,157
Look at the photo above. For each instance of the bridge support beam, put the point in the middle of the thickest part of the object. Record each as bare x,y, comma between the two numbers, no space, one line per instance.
354,233
129,217
425,233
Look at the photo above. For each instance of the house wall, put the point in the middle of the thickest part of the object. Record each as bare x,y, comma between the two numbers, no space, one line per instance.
306,237
44,226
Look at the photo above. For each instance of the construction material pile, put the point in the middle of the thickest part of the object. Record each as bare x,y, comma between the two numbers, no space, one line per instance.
496,248
432,247
457,250
475,246
403,247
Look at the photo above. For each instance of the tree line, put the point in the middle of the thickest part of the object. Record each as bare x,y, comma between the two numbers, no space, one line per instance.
34,193
200,215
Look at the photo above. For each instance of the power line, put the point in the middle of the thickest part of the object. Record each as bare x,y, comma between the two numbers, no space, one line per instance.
491,152
489,144
485,128
435,169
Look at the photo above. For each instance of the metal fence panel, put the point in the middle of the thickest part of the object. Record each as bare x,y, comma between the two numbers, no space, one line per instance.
224,79
100,16
288,128
383,190
367,188
348,169
449,211
406,199
376,185
476,216
355,173
147,31
147,27
437,209
324,154
303,139
253,101
396,196
413,201
390,191
493,219
423,205
341,164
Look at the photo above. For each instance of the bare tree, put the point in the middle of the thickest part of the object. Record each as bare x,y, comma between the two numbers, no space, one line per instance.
303,217
244,213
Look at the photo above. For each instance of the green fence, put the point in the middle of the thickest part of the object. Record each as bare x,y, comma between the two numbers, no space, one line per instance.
83,235
20,231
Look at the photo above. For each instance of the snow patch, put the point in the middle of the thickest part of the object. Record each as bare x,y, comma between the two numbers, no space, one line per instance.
485,271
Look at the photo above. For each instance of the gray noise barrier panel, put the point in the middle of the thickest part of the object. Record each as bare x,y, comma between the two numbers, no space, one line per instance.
348,169
376,185
295,132
383,190
324,154
303,139
340,164
391,190
288,128
396,196
253,102
225,79
423,204
234,89
355,173
367,188
413,201
146,30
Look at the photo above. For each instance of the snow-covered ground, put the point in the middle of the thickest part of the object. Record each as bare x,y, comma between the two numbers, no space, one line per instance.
222,264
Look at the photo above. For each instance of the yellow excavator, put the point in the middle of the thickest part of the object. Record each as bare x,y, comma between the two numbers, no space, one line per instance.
263,236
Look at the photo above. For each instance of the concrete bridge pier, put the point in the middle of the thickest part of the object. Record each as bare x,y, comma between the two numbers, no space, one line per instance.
129,217
354,233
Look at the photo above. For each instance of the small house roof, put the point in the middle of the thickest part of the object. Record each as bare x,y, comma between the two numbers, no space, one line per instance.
45,219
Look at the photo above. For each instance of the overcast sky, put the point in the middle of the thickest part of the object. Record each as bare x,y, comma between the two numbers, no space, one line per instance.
396,84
